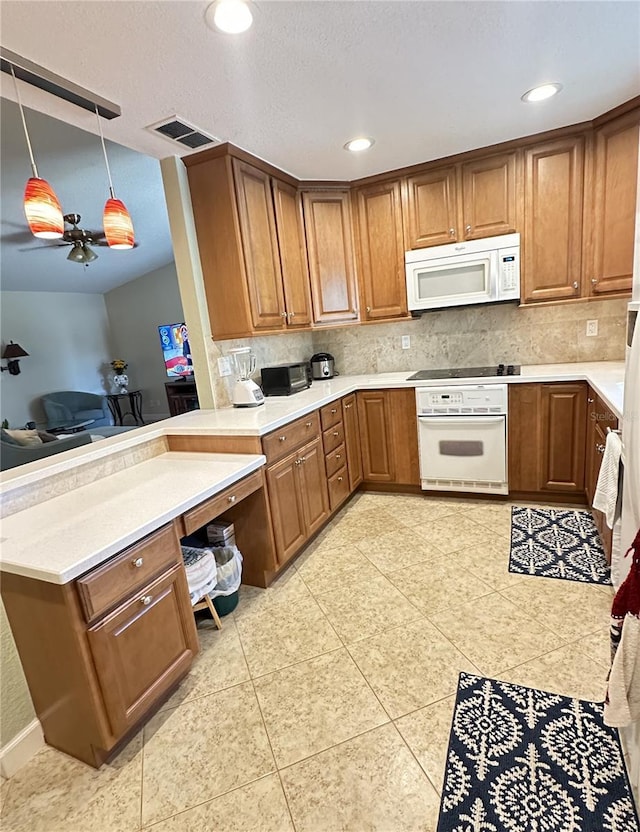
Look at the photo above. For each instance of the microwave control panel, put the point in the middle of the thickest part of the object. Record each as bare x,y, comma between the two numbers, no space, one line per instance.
509,270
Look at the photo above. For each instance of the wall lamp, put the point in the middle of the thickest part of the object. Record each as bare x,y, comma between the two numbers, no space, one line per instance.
12,353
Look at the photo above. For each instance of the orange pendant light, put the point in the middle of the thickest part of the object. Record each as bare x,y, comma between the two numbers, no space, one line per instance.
41,205
43,210
118,228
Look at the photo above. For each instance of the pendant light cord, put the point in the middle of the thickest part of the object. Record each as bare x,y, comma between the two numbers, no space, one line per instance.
104,150
24,125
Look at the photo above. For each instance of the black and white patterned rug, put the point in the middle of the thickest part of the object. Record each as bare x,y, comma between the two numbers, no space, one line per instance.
557,543
522,760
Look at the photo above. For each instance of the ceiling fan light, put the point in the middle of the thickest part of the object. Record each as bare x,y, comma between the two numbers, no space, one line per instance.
118,227
43,210
89,254
76,255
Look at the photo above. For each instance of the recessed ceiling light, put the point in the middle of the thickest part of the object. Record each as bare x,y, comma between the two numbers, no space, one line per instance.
361,143
229,16
542,92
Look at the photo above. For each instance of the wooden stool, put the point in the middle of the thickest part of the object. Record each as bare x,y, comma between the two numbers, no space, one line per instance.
205,603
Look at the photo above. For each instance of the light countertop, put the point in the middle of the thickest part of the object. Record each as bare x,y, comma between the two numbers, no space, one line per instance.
606,377
61,538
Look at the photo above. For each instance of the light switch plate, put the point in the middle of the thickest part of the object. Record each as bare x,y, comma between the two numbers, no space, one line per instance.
406,342
224,366
592,328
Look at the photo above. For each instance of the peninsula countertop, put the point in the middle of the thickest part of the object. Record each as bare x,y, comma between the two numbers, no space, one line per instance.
61,538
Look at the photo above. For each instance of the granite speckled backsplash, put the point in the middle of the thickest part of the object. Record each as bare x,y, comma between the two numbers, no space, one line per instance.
464,337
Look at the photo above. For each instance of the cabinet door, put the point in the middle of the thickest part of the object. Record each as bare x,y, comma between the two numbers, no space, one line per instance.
614,205
260,246
382,251
553,201
352,441
431,208
592,457
378,461
327,217
293,253
524,437
287,508
489,196
564,417
143,648
313,486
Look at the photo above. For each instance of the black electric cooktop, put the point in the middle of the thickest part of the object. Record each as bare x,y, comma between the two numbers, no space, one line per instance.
468,372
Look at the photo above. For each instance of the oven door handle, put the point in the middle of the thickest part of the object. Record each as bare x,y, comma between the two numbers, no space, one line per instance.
447,421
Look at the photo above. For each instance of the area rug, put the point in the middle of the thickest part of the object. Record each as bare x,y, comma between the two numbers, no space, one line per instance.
522,760
557,543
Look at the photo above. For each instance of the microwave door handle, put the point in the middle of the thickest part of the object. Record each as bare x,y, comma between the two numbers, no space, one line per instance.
494,275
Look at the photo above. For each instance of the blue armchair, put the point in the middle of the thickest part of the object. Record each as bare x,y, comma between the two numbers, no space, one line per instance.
70,406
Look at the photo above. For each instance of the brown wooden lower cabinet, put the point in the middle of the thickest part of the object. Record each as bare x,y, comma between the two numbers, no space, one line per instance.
351,428
91,685
299,498
547,426
599,418
389,436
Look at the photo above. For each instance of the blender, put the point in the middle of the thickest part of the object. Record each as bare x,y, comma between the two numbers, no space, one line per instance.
246,392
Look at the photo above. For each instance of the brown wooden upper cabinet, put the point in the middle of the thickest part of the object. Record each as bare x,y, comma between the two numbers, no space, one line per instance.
613,209
431,208
384,293
252,249
553,201
327,218
462,202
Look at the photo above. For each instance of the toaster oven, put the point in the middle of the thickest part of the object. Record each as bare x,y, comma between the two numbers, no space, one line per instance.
285,379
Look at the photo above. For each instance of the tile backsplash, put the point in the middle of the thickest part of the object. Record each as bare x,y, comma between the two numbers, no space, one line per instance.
465,337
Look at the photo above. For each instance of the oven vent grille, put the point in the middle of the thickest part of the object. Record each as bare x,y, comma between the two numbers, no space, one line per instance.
465,485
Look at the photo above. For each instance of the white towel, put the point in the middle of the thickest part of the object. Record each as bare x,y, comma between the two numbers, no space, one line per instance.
606,495
623,695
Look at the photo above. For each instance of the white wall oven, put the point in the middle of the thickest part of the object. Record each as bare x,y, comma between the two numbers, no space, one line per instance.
461,274
462,436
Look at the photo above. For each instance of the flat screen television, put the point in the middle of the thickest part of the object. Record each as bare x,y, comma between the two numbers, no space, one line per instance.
176,351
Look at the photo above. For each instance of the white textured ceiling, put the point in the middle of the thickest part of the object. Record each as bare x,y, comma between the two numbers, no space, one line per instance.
71,160
426,79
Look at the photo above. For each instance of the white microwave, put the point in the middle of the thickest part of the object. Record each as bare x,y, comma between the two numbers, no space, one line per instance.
462,274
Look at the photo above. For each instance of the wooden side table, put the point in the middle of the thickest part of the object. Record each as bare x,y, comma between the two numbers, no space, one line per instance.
135,405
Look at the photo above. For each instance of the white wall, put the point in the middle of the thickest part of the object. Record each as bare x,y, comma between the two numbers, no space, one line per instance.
135,310
67,338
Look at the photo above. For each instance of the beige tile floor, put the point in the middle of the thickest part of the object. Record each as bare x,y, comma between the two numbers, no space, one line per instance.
324,704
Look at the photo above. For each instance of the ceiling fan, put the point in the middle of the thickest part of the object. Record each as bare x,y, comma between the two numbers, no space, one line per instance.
80,240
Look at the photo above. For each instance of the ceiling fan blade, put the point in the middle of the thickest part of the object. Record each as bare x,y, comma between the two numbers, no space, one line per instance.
49,245
105,243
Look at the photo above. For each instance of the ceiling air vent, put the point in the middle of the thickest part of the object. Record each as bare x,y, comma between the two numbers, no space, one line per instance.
176,129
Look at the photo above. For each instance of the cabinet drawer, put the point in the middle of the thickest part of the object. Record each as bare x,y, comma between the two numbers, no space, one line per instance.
338,488
333,437
335,460
102,588
331,414
280,442
208,510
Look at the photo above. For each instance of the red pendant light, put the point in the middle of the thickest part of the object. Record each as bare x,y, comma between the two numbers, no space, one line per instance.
118,228
41,205
43,210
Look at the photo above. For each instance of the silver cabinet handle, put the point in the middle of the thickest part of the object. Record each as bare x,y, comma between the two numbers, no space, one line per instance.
145,600
368,309
303,459
594,281
137,562
575,284
333,411
340,479
590,401
347,406
338,456
600,449
282,438
452,232
283,314
468,229
297,461
308,424
232,498
292,314
336,433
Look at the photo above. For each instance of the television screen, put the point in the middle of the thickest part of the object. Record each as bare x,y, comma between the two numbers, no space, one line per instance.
176,351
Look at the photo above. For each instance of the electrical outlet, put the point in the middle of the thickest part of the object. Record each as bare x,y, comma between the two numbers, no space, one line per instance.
592,328
224,366
406,342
